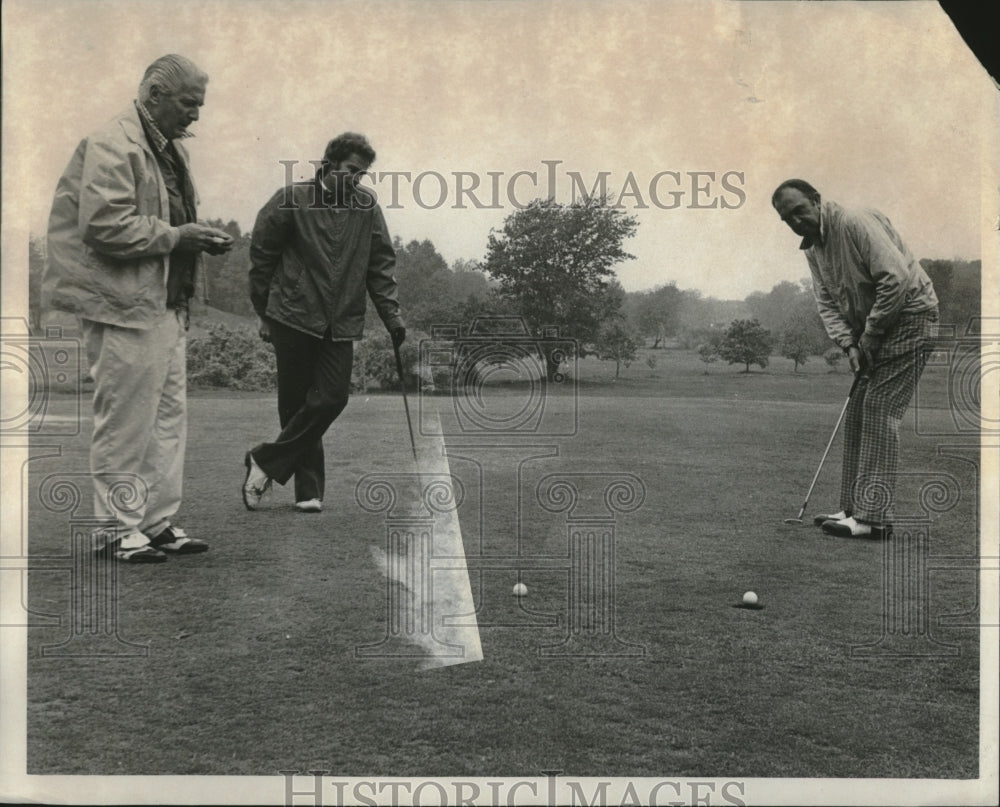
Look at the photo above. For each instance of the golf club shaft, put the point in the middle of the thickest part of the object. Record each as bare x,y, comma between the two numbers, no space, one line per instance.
843,411
406,404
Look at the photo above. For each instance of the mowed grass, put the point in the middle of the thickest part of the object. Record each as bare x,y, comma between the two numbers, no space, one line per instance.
251,664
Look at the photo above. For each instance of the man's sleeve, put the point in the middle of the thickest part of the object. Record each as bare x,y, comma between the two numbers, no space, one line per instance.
271,232
380,280
836,326
110,219
889,267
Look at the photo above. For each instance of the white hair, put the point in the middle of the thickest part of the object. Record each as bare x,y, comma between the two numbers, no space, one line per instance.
170,73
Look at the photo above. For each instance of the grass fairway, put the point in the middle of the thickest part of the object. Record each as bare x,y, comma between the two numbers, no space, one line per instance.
251,664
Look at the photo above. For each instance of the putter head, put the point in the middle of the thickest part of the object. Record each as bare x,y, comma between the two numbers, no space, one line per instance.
797,521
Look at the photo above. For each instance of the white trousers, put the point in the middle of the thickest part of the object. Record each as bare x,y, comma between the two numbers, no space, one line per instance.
140,422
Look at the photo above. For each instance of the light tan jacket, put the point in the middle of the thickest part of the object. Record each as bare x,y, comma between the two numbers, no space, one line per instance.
863,275
109,234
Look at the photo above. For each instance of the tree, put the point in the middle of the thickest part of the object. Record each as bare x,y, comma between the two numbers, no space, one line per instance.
772,309
222,282
424,283
655,314
803,334
430,292
617,343
833,358
555,263
708,350
958,285
36,266
746,342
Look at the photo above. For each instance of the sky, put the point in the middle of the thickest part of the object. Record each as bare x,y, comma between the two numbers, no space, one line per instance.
877,104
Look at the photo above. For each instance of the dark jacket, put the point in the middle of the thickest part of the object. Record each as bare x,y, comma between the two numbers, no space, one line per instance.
312,263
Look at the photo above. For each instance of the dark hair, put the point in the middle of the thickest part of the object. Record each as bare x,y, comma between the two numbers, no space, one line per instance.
795,184
346,144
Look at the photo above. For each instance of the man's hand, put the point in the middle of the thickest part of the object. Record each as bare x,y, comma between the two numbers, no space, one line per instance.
398,335
264,329
869,345
855,359
199,238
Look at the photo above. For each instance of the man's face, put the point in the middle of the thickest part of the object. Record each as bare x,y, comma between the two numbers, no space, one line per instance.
175,110
799,212
344,176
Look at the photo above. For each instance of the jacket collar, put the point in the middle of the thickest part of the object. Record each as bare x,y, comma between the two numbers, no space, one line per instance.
824,214
132,126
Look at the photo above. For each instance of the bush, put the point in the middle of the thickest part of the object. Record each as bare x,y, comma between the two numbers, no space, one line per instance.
833,357
234,358
375,360
746,342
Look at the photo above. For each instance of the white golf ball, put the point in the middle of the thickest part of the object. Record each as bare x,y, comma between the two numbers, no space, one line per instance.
520,590
749,598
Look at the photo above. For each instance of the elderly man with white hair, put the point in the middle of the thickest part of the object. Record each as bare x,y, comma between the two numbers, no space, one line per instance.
124,247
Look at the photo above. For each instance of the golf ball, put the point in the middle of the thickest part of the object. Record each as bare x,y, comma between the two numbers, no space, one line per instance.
520,590
749,598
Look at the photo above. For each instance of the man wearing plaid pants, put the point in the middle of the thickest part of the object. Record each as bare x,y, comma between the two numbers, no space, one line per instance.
879,305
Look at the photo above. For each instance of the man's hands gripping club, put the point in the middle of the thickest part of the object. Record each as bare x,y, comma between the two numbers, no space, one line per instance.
861,357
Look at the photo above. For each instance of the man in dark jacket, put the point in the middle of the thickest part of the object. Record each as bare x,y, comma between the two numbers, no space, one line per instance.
317,248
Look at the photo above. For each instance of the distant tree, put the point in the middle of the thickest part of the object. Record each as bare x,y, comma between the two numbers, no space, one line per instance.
555,263
699,315
223,281
708,352
469,280
772,309
655,314
746,342
803,334
431,293
36,266
833,357
424,284
708,343
958,285
618,343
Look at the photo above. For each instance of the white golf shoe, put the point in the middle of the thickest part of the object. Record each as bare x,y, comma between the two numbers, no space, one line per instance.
852,528
255,484
822,518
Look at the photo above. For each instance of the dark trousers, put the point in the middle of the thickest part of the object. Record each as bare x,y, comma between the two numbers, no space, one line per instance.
314,383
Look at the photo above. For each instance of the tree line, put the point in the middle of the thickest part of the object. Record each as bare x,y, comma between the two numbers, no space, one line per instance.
553,265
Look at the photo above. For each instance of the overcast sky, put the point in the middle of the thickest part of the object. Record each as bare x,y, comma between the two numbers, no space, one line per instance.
878,104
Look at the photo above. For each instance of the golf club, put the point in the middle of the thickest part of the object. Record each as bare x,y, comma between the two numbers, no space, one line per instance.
406,405
843,411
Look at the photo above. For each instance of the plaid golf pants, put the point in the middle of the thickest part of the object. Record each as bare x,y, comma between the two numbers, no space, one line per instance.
871,426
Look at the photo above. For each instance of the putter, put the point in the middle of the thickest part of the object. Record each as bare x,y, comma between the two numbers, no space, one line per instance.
406,405
836,429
